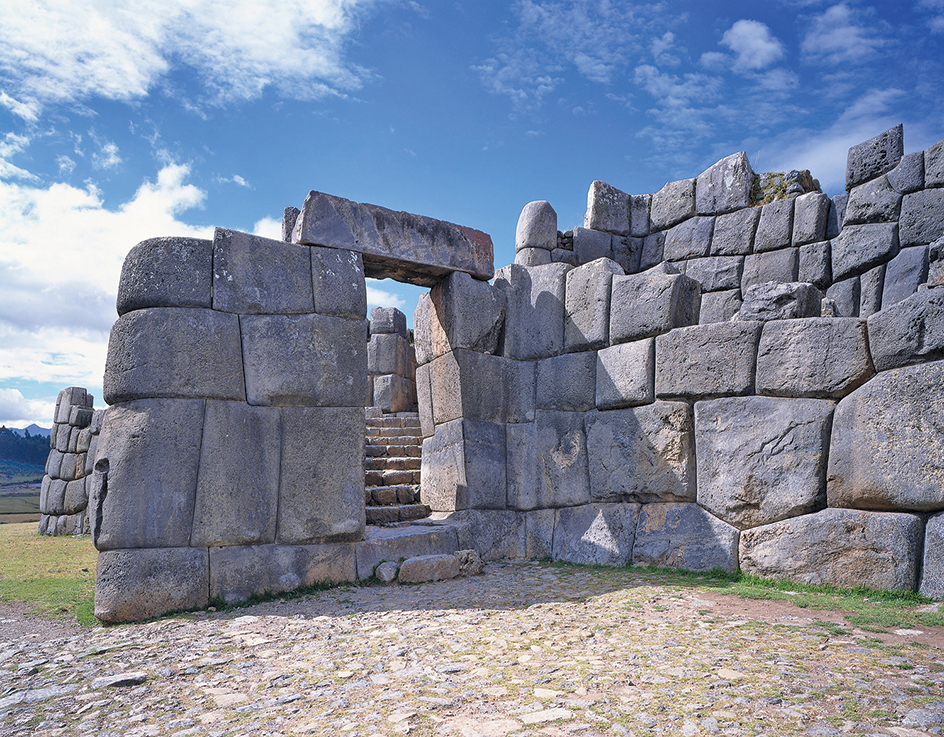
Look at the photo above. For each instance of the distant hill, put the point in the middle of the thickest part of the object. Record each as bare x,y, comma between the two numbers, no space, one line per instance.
33,430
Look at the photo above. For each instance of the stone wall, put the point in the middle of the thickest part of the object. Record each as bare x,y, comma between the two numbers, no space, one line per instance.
391,362
678,398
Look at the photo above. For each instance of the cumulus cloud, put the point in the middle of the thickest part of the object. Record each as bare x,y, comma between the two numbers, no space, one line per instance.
837,37
268,228
18,411
377,297
753,45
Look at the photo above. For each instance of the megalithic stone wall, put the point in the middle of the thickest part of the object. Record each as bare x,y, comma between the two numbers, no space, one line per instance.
662,386
391,362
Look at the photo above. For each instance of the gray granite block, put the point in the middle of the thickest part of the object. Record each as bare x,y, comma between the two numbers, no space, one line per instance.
678,535
464,466
846,295
873,202
596,534
689,239
871,285
470,314
627,252
733,233
533,257
537,226
653,250
589,245
639,205
922,217
837,212
587,305
534,310
860,247
607,209
566,382
874,157
720,306
166,272
725,186
932,569
388,353
338,282
773,266
396,543
904,273
392,393
388,321
779,301
714,273
910,331
775,227
814,264
908,176
494,534
672,204
934,165
481,387
650,303
810,213
625,374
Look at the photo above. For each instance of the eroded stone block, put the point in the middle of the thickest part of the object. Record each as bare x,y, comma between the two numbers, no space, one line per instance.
166,272
684,536
672,204
537,226
775,228
624,374
904,273
689,239
725,186
873,202
860,247
910,331
651,303
464,466
780,301
810,213
481,387
338,282
596,534
733,233
589,245
534,320
773,266
874,157
719,306
607,209
587,304
566,382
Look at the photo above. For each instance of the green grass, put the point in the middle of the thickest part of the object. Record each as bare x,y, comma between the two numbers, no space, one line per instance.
12,472
53,575
19,504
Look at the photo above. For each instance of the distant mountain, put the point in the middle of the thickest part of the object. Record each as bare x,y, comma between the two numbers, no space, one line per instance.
34,430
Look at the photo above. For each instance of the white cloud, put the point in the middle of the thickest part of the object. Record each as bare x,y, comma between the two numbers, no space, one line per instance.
28,111
753,45
235,179
936,21
66,165
837,38
662,49
18,411
268,228
106,157
377,297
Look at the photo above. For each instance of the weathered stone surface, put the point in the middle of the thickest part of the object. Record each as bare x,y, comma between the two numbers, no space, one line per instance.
547,461
412,248
533,257
650,303
338,282
388,353
922,217
174,352
860,247
566,382
134,585
707,360
904,274
534,310
689,239
74,500
463,466
627,252
392,393
810,213
775,228
607,209
596,534
814,265
494,534
839,547
587,304
166,272
589,245
428,339
714,273
424,400
684,536
624,374
388,321
311,359
846,297
932,570
908,176
761,459
645,454
733,233
470,564
55,497
289,217
481,387
719,306
422,568
826,358
780,301
321,486
886,442
773,266
396,543
910,331
562,256
653,250
140,498
874,157
386,572
672,204
725,186
936,264
470,314
639,205
934,165
873,202
837,212
537,226
236,573
871,285
256,275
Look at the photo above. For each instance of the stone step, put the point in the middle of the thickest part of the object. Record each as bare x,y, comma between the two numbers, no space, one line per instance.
402,513
376,450
396,543
391,477
393,463
387,496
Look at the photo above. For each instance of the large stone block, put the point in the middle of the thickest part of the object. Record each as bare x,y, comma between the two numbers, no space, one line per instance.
134,585
705,361
653,250
539,527
780,301
587,305
321,487
846,296
714,273
396,543
761,459
55,499
625,374
860,247
423,568
837,212
238,482
547,461
145,478
773,266
627,252
910,331
494,534
725,186
871,285
537,226
174,352
839,547
388,321
566,382
886,443
874,157
463,466
639,205
719,306
825,358
672,204
589,245
481,387
689,239
237,573
596,534
645,454
733,233
684,536
607,209
932,570
908,176
75,499
810,213
814,265
392,393
922,217
934,165
904,274
338,282
873,202
388,353
534,309
166,272
533,257
470,314
304,360
651,303
775,228
401,245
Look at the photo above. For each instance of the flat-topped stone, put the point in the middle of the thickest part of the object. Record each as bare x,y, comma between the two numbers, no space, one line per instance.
400,245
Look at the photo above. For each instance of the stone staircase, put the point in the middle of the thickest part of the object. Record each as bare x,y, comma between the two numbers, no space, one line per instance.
392,467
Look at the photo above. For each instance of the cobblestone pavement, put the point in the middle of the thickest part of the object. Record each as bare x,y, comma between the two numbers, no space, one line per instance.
525,648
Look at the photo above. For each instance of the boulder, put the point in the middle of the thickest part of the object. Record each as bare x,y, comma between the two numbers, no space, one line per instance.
566,382
596,534
689,239
650,303
396,543
464,466
910,331
775,227
534,310
166,272
725,186
684,536
904,274
908,176
608,209
780,301
810,213
860,247
672,204
773,266
338,282
423,568
733,233
587,305
624,374
874,157
922,217
537,226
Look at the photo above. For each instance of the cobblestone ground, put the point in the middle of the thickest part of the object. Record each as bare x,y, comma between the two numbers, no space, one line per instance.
523,649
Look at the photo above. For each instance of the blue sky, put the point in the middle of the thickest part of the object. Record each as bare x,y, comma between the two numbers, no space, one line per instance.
122,120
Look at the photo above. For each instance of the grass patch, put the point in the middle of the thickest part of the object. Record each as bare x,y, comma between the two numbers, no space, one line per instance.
19,504
54,575
13,472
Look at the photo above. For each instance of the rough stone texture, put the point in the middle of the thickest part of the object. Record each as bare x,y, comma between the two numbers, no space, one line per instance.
825,358
236,573
871,285
412,248
386,572
589,245
470,314
873,202
934,165
562,256
684,536
672,204
256,275
936,263
289,218
904,274
537,226
321,487
587,304
780,301
814,265
397,543
846,295
810,213
774,266
645,454
775,228
689,239
388,321
860,247
627,252
719,306
388,353
533,257
166,272
625,374
547,461
707,360
596,534
761,459
886,442
651,303
422,568
714,273
724,187
463,466
837,212
922,217
653,249
174,352
908,176
139,498
910,331
304,360
338,282
134,585
493,534
874,157
840,547
534,311
470,564
607,209
639,205
566,382
734,232
932,578
392,393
